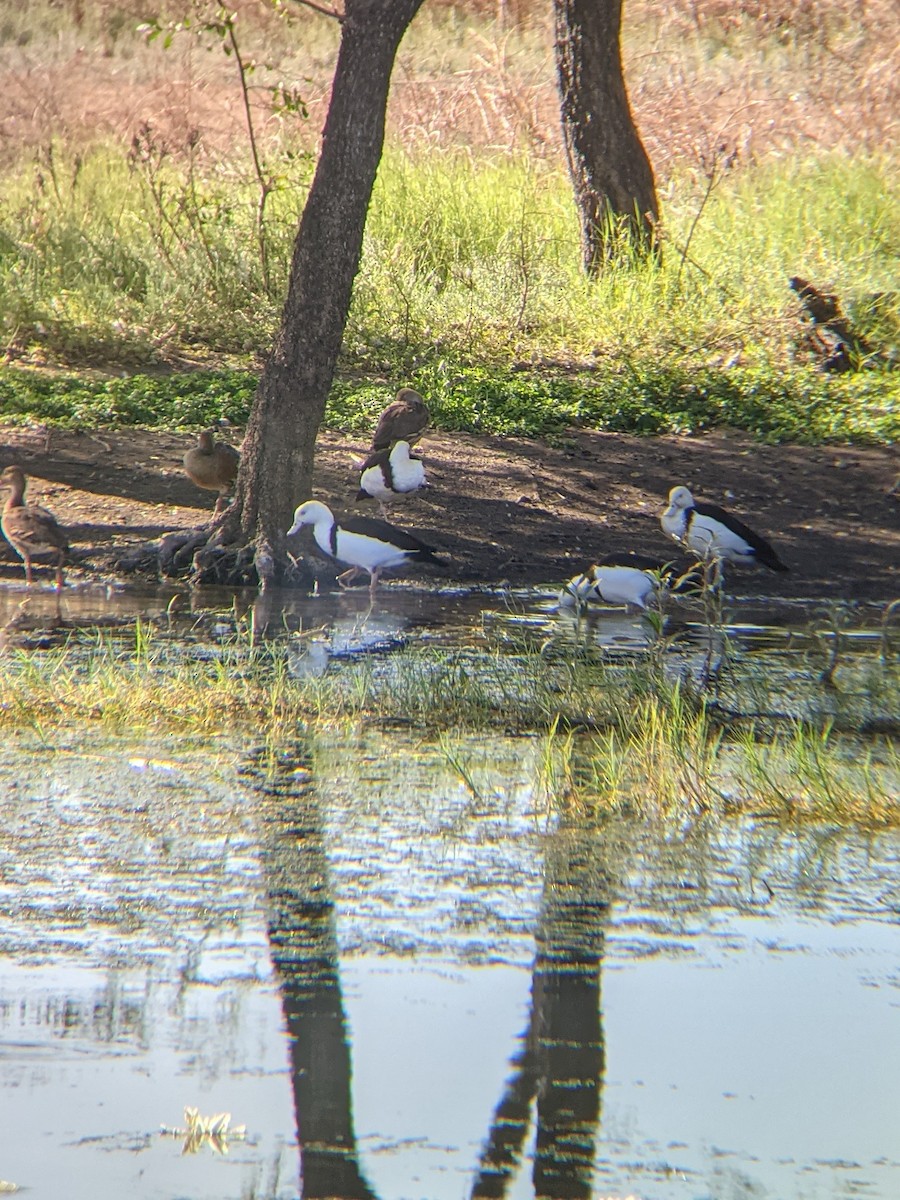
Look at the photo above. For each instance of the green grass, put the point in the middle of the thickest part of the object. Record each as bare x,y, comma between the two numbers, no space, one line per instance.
470,289
618,736
803,407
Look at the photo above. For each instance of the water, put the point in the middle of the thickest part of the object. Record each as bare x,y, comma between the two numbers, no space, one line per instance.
397,937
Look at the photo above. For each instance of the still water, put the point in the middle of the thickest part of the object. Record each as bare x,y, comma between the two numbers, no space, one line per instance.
408,977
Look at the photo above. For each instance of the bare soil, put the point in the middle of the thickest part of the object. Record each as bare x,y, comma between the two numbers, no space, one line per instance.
509,510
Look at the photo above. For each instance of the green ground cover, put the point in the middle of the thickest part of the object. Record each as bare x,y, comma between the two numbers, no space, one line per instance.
490,317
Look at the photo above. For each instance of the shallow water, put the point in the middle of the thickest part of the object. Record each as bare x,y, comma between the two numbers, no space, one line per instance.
403,939
782,646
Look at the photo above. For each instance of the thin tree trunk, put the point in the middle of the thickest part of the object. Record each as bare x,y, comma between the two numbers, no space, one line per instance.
277,457
611,173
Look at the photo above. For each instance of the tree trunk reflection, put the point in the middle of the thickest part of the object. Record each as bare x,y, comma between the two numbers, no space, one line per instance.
301,930
562,1060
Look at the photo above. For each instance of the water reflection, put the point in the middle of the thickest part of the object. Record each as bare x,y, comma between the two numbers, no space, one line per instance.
302,934
561,1062
344,624
560,1067
742,1039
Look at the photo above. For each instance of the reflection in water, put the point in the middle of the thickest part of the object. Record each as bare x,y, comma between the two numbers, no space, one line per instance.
135,974
302,935
561,1064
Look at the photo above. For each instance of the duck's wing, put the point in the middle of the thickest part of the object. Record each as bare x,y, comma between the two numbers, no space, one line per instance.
383,531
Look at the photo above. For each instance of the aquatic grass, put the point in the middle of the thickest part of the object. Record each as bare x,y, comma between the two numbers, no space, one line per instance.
616,737
556,766
671,764
815,774
147,684
451,756
660,757
214,1131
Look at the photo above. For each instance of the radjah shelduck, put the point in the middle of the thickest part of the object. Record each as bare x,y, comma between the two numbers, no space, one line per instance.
620,578
404,419
712,533
32,531
389,475
364,543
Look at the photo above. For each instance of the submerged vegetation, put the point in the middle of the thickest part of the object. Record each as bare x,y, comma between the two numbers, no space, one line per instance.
637,736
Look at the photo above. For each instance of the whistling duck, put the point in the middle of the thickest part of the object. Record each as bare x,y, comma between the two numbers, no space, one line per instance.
212,465
32,531
405,417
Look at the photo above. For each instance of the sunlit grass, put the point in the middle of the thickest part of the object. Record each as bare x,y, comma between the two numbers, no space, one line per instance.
470,289
672,762
616,738
214,1131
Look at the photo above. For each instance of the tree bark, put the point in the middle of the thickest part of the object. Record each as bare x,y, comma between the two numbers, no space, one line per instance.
611,173
277,456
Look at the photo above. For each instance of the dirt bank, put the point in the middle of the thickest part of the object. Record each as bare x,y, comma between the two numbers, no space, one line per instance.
510,509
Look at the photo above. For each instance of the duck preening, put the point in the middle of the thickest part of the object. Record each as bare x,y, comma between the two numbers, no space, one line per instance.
391,474
364,543
32,531
712,533
405,418
623,578
212,465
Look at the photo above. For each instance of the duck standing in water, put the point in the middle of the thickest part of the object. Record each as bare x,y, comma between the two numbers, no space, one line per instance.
364,543
391,474
621,578
32,531
712,533
213,465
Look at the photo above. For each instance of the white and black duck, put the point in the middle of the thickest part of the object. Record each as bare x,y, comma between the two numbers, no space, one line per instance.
389,475
364,543
711,532
620,578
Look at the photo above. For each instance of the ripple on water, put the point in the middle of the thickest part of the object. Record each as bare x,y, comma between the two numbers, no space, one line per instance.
744,976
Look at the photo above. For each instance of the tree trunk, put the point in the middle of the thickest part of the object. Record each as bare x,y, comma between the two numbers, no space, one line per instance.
611,173
277,456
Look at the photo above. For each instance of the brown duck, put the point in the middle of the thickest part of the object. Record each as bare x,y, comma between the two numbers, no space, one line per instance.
32,531
212,465
404,418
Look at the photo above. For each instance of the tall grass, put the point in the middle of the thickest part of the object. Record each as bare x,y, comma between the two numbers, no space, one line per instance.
471,287
478,259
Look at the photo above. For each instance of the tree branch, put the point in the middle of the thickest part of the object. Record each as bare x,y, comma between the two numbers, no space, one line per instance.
320,8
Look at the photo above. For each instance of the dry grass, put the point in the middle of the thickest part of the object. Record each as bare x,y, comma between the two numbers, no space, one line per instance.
789,77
